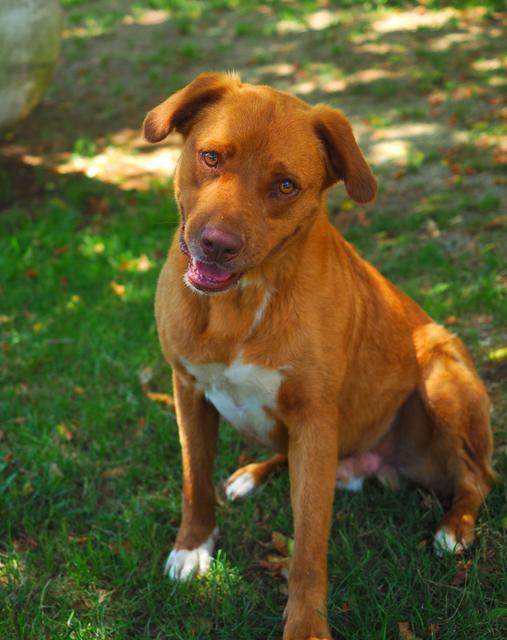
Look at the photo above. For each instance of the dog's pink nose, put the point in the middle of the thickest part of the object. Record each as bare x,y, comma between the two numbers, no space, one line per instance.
220,246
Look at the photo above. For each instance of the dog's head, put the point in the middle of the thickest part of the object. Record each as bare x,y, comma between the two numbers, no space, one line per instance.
252,174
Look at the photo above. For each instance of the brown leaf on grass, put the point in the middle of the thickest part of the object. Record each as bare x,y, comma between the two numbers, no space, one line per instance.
164,398
436,98
461,576
60,251
79,540
405,632
143,263
451,320
103,595
118,289
81,603
433,628
115,472
32,274
25,543
78,391
277,565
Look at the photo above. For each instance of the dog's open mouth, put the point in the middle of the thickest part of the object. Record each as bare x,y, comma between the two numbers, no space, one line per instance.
209,277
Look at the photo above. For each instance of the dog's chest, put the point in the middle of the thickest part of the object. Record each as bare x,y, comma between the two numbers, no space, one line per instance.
241,393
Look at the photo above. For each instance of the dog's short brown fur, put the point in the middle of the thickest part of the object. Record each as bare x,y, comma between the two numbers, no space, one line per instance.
303,345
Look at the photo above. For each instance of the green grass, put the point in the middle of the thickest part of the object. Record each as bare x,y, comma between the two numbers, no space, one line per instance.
90,466
90,486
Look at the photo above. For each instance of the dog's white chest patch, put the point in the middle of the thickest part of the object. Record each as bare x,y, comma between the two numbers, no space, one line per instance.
241,393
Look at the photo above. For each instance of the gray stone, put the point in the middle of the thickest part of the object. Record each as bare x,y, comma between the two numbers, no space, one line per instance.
30,32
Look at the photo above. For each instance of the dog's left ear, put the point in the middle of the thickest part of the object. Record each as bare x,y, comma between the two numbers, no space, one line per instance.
180,110
343,155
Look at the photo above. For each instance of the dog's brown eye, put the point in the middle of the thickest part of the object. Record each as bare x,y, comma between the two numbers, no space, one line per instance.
286,187
210,158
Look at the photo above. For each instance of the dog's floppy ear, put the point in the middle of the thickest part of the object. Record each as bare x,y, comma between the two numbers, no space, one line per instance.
343,155
180,109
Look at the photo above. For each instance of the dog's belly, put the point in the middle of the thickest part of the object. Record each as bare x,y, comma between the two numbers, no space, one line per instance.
241,393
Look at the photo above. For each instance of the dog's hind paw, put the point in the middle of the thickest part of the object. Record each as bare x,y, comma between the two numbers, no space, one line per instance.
240,487
183,564
445,542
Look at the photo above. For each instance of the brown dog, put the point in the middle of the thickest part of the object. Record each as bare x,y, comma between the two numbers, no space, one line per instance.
271,320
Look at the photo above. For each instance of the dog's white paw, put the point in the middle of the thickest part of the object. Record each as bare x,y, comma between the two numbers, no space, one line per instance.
240,487
182,564
445,542
353,484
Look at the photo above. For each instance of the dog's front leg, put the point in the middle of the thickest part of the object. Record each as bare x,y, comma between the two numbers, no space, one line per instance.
198,430
313,457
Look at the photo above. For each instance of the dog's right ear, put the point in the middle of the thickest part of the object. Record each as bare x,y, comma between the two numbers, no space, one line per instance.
179,110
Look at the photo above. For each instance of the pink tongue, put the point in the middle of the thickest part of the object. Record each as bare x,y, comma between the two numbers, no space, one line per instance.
210,271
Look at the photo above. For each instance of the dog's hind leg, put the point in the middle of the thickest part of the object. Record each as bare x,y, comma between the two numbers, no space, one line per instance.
452,454
247,479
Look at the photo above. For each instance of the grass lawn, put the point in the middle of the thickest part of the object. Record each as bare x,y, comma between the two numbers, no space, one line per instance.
89,456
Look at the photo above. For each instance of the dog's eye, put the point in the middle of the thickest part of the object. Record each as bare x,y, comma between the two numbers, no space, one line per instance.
210,158
286,187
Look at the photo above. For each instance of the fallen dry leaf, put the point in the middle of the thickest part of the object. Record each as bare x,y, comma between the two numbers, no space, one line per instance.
433,628
25,543
164,398
118,289
115,472
277,565
80,540
78,391
461,575
81,603
405,632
